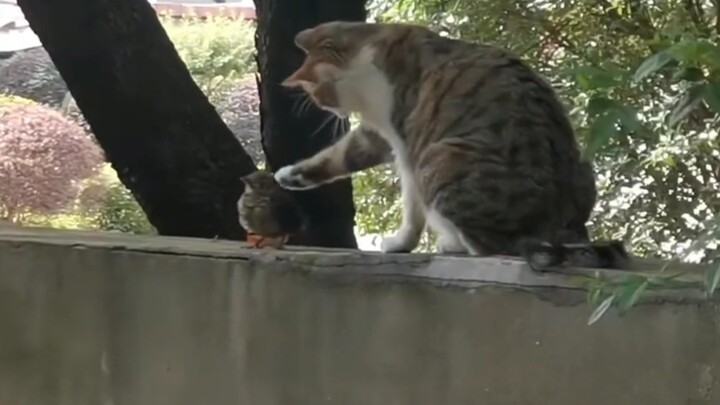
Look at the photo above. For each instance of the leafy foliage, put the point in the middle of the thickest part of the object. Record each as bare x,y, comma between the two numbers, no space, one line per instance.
217,51
31,74
108,205
43,159
120,212
9,100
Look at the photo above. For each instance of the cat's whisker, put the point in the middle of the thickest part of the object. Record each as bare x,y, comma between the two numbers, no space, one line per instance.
322,125
302,104
339,128
298,104
296,101
306,105
336,127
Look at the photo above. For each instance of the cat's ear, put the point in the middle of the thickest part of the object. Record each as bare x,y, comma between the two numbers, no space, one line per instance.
305,73
302,39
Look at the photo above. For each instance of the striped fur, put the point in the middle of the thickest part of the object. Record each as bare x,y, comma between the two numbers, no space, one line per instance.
485,151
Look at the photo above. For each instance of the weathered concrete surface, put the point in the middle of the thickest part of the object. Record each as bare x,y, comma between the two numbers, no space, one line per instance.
110,319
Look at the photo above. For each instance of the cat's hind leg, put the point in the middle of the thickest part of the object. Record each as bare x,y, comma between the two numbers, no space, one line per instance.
450,238
462,227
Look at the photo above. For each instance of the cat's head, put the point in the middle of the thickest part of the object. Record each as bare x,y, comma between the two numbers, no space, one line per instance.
340,62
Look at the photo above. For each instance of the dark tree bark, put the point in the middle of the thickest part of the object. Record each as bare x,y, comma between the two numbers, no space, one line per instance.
167,143
289,135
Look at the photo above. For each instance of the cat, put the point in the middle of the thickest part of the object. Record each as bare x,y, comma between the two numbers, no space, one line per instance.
485,152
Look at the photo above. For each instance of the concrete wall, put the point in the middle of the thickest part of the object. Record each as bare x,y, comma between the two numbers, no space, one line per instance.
110,319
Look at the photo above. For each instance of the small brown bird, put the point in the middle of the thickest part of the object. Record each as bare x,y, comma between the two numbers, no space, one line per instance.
268,211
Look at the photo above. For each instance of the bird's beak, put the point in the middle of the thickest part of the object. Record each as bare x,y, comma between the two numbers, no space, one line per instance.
245,183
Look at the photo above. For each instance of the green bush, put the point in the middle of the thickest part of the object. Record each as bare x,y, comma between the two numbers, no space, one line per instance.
30,73
70,220
104,203
7,100
217,51
220,55
120,212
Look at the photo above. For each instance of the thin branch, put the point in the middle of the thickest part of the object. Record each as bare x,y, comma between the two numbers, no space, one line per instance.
696,14
640,24
553,32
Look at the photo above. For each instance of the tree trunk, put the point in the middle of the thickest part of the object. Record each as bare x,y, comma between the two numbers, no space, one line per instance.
291,133
167,143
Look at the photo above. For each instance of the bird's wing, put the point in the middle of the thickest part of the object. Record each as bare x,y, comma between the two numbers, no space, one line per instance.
288,213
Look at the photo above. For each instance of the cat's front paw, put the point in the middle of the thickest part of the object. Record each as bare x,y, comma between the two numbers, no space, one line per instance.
397,244
291,178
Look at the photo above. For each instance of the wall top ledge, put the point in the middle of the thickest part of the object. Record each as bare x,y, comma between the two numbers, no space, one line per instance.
462,271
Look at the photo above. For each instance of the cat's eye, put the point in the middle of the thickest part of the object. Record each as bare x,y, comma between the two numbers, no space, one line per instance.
328,46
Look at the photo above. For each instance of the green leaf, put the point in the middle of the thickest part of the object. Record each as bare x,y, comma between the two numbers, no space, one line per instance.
711,95
690,74
684,51
594,294
652,65
665,280
601,130
712,280
630,293
629,120
696,52
593,78
601,309
687,103
598,105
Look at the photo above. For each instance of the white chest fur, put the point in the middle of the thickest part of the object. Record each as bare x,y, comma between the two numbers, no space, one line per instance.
367,90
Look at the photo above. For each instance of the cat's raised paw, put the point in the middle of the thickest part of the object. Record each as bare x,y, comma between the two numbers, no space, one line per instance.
289,177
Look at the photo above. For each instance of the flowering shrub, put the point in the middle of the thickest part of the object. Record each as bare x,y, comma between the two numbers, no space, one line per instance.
43,159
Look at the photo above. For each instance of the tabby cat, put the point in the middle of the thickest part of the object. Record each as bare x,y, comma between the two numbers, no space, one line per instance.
485,152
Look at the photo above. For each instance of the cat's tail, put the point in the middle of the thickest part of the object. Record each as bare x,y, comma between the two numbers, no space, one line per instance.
542,255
